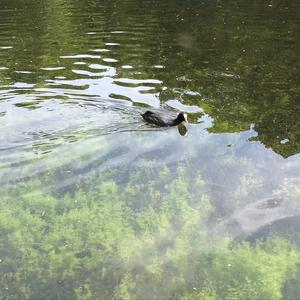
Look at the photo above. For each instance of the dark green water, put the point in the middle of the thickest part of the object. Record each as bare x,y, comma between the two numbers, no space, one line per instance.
96,204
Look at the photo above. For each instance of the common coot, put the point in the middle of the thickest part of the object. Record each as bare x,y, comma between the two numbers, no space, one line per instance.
162,119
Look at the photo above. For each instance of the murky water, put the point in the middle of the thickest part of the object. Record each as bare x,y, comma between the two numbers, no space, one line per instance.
96,204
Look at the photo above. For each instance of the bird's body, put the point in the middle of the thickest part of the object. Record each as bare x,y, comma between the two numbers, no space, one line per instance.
162,119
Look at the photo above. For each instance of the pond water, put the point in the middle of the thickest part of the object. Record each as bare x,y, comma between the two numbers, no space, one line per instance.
96,204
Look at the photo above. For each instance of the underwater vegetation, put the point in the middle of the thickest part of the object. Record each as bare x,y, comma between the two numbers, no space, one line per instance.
149,236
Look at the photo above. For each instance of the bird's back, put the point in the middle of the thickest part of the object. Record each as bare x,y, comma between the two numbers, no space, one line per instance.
156,118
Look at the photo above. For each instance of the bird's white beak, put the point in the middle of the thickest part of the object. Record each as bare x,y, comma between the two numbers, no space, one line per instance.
185,118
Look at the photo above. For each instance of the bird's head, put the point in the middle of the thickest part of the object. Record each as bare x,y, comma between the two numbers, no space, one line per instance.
182,117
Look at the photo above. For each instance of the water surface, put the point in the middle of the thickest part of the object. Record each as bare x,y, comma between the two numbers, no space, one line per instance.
96,204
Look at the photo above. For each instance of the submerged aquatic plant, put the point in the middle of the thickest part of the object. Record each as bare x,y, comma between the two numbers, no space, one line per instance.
122,239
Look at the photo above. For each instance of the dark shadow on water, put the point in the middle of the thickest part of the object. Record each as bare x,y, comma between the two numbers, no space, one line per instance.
288,228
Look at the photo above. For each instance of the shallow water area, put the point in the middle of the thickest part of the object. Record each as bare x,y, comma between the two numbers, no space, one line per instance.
97,204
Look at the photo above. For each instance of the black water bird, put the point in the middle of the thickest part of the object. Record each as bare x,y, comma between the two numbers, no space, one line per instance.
161,119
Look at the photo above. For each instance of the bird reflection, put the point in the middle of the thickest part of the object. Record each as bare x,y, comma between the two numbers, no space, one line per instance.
182,130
